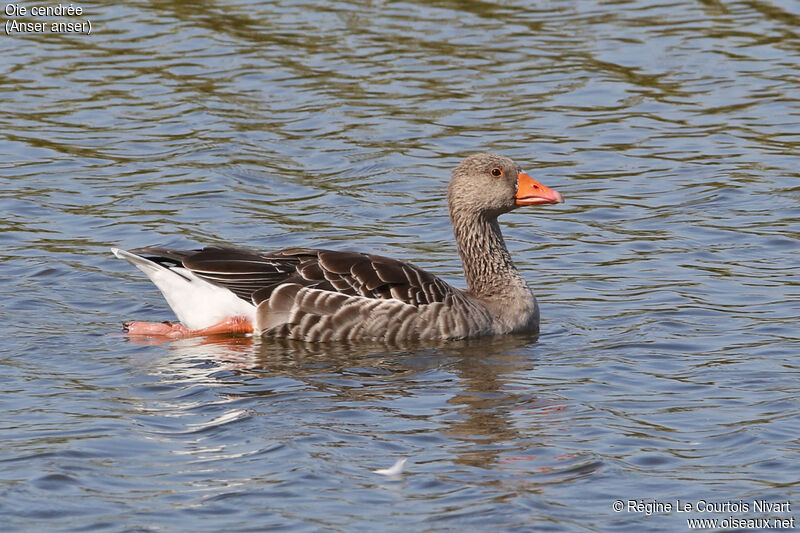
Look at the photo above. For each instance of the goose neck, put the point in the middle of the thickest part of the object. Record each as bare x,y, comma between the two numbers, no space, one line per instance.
488,267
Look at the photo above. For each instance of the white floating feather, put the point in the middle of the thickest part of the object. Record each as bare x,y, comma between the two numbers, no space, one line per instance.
394,470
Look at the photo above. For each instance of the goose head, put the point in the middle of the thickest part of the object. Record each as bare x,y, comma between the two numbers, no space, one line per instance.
490,184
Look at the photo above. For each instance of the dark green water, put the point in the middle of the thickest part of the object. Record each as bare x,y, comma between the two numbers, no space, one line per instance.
667,369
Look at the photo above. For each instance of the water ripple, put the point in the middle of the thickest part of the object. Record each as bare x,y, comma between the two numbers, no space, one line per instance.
665,369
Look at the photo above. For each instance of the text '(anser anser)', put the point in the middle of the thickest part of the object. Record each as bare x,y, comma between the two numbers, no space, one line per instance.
325,295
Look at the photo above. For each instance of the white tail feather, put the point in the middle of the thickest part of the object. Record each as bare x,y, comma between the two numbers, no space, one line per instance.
196,302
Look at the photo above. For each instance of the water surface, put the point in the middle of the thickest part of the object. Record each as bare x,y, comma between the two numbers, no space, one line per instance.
667,365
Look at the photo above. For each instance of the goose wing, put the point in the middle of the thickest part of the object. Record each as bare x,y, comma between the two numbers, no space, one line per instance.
254,276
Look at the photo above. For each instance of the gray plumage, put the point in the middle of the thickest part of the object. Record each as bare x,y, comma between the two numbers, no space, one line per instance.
324,295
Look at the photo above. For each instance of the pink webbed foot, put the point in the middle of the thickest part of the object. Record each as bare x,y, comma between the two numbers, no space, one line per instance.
156,329
172,330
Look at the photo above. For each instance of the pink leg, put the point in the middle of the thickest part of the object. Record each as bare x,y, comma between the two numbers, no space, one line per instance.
234,324
172,330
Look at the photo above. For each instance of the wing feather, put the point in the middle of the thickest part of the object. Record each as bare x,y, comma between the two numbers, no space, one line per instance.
255,276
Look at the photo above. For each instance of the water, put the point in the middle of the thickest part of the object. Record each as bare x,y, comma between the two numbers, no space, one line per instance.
667,365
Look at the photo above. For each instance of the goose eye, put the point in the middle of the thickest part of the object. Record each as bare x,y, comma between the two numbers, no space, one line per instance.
496,172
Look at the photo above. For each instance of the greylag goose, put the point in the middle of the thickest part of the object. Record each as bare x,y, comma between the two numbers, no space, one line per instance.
323,295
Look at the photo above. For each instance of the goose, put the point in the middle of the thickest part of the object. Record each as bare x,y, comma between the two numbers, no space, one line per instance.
318,295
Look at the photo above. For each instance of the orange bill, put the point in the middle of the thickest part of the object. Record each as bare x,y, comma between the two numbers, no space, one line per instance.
531,192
